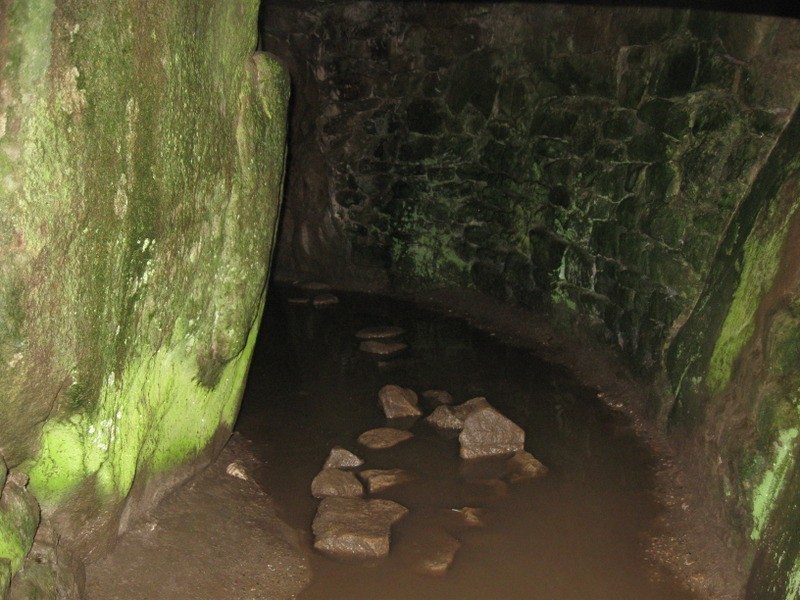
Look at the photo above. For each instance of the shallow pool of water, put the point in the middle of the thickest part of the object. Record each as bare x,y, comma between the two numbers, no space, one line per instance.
577,534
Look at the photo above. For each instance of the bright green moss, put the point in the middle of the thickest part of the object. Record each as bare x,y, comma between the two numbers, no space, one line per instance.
142,150
767,492
760,265
155,416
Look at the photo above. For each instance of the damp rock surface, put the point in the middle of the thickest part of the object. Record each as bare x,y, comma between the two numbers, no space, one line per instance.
437,397
382,438
398,402
443,417
335,482
486,432
524,466
354,528
252,555
378,480
341,458
382,348
380,332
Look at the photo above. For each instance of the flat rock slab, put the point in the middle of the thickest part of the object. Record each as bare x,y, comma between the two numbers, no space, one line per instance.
380,348
444,418
398,402
339,458
437,397
299,300
486,432
378,480
325,300
383,437
335,482
523,466
355,529
380,333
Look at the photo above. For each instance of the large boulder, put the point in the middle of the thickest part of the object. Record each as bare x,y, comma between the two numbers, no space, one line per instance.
353,528
141,150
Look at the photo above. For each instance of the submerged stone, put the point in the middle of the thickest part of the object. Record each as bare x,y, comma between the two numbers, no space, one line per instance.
335,482
380,333
430,551
325,300
378,480
398,402
436,397
339,458
380,348
383,437
524,467
353,528
484,491
314,286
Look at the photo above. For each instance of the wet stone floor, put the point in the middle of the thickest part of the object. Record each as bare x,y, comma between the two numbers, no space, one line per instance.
578,533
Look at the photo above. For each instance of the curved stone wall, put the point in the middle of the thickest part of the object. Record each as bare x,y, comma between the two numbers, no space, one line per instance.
631,169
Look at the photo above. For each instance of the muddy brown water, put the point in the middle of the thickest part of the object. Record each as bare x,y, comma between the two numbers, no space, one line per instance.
577,534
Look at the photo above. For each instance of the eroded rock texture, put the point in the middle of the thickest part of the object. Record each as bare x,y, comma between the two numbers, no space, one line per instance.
141,160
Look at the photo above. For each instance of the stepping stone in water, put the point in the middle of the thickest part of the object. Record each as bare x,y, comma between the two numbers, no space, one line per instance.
380,333
524,467
378,480
325,300
488,433
398,402
339,458
380,348
462,411
353,528
313,286
444,418
335,482
299,300
437,397
383,437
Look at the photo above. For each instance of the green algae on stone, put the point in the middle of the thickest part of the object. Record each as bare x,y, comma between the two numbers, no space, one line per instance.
19,519
765,495
155,416
142,150
760,265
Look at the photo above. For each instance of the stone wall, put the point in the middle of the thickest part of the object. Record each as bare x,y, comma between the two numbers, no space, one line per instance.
141,162
633,168
576,156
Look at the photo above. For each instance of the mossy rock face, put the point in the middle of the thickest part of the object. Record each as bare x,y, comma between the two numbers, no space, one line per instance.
141,158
